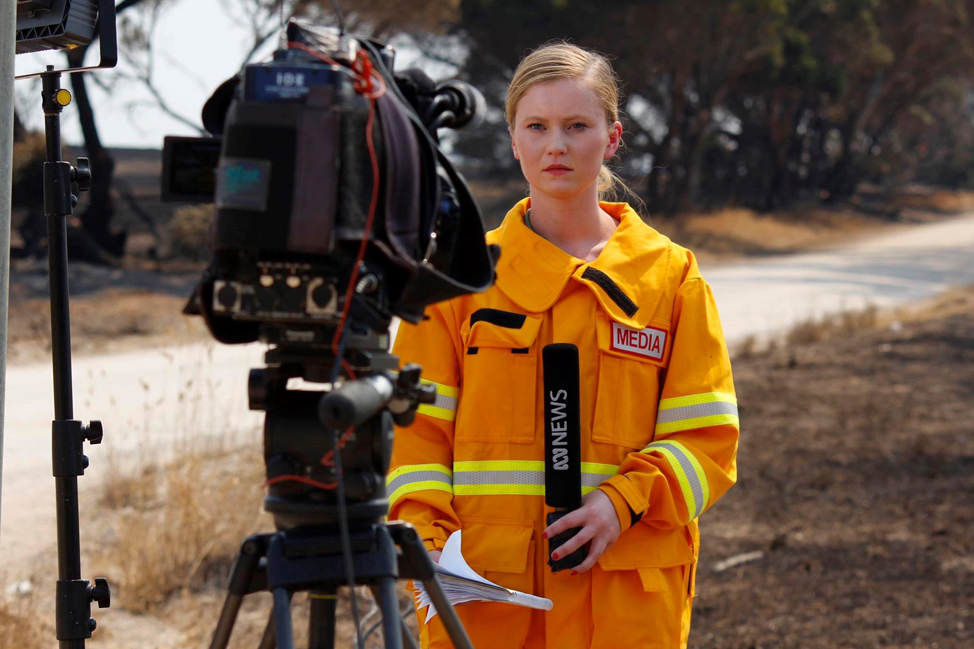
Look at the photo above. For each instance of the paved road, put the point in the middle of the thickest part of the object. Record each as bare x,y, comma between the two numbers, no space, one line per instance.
149,398
766,296
150,401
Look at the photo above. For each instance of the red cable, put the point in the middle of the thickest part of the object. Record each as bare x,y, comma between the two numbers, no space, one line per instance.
363,63
365,84
301,478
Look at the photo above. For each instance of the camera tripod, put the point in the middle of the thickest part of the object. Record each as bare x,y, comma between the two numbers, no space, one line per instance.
312,547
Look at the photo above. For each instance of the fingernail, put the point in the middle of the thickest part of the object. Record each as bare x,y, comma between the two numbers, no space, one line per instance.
544,535
554,555
573,573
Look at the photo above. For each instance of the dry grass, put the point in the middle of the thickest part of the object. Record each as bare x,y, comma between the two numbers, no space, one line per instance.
178,527
842,323
956,301
20,626
123,489
936,200
109,320
731,233
176,531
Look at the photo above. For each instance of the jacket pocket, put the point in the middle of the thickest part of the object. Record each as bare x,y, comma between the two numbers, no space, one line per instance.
629,385
642,546
500,368
500,550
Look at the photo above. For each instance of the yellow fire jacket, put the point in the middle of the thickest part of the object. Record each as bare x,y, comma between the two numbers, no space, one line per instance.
659,428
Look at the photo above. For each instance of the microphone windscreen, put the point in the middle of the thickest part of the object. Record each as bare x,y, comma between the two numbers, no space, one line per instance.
563,453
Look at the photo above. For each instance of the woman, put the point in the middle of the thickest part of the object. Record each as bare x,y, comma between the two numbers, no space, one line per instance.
659,422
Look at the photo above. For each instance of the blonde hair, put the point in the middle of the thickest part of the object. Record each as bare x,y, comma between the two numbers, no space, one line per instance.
562,60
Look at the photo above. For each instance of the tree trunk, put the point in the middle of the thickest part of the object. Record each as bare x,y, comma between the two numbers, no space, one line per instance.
96,219
841,180
20,131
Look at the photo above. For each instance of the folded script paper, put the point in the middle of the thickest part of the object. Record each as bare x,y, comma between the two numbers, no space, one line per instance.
462,584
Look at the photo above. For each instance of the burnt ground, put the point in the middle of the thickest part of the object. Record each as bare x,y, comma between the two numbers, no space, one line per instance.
856,482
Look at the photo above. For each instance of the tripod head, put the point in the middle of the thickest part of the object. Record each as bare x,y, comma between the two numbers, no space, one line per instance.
327,493
301,427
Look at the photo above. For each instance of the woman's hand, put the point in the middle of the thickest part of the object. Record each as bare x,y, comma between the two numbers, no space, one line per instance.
600,529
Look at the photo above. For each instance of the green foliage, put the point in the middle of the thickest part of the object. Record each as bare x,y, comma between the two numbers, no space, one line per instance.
759,102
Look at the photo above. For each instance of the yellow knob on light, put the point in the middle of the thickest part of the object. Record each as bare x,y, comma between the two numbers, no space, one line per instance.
63,97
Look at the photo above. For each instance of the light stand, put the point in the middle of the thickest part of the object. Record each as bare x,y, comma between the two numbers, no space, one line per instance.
74,594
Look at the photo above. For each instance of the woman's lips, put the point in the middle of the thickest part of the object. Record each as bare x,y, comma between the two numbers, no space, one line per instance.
557,172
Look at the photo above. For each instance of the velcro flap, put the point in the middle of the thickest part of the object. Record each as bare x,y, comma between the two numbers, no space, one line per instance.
488,334
652,579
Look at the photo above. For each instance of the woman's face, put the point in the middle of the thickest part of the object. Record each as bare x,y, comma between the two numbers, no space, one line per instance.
561,138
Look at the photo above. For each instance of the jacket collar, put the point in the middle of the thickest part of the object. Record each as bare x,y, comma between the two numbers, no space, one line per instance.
628,278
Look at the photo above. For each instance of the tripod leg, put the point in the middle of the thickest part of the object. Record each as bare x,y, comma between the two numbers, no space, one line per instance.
267,640
389,605
321,625
240,579
421,567
283,631
407,635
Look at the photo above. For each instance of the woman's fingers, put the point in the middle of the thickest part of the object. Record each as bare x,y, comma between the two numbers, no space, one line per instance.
581,538
576,518
594,552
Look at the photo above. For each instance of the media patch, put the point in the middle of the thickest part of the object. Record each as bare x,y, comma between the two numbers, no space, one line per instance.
648,343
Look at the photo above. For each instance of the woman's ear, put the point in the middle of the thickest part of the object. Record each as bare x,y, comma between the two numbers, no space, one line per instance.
513,146
615,140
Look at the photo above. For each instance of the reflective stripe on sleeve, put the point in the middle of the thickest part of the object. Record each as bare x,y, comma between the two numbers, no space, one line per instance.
693,480
696,411
410,478
445,406
518,477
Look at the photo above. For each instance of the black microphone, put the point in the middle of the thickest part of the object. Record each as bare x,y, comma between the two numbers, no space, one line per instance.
562,445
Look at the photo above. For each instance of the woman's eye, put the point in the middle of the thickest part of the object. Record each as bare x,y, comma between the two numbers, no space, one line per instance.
531,126
578,124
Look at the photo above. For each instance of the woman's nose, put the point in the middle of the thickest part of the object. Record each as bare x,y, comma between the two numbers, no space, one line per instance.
557,144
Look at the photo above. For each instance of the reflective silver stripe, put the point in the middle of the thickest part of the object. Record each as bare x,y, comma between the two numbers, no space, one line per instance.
413,478
687,471
595,479
498,477
445,402
417,476
461,477
700,410
517,477
444,405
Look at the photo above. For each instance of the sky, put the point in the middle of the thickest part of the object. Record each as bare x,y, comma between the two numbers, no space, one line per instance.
198,44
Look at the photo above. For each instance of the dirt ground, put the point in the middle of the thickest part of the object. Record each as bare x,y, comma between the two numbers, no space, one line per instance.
851,524
856,471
